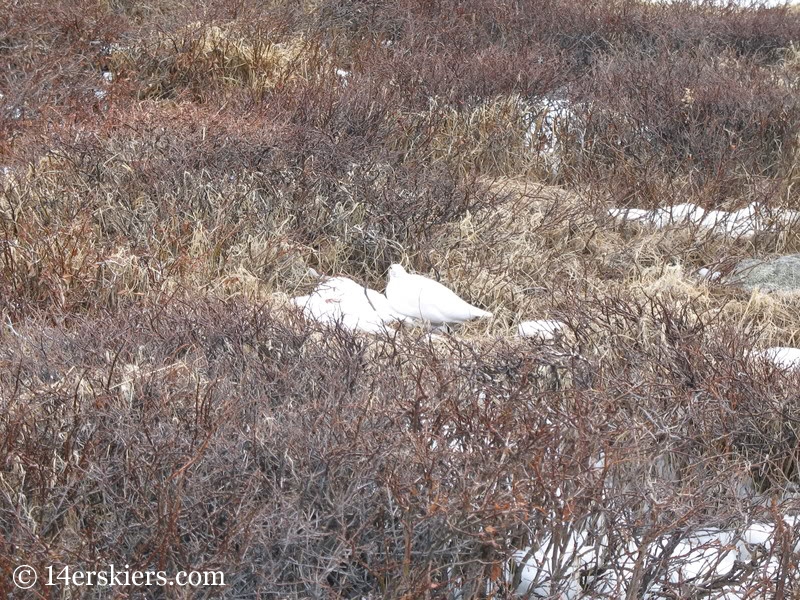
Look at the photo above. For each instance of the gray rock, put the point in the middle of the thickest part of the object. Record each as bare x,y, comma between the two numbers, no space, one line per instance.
775,275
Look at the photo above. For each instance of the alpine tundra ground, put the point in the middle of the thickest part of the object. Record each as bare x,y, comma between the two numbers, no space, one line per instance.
171,171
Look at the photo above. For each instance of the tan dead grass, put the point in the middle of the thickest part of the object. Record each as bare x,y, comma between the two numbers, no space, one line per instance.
500,136
528,258
221,53
546,245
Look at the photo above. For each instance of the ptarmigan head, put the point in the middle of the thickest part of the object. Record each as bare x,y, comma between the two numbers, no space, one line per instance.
396,271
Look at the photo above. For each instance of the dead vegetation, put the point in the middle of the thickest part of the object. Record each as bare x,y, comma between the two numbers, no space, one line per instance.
171,171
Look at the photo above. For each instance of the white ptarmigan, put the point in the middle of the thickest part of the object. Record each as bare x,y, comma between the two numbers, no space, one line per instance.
367,299
421,298
342,301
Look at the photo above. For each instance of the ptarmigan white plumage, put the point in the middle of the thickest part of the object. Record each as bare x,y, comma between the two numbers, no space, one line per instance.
342,301
418,297
367,298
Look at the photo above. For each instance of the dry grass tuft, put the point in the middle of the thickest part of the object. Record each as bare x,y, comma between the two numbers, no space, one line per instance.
202,54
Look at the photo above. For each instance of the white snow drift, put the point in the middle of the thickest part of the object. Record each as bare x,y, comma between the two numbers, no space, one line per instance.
540,329
745,222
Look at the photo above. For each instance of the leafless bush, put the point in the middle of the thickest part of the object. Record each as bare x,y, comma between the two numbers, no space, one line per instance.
215,436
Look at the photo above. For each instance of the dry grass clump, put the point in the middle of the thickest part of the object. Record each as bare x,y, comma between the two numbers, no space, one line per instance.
201,55
542,238
507,136
489,137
